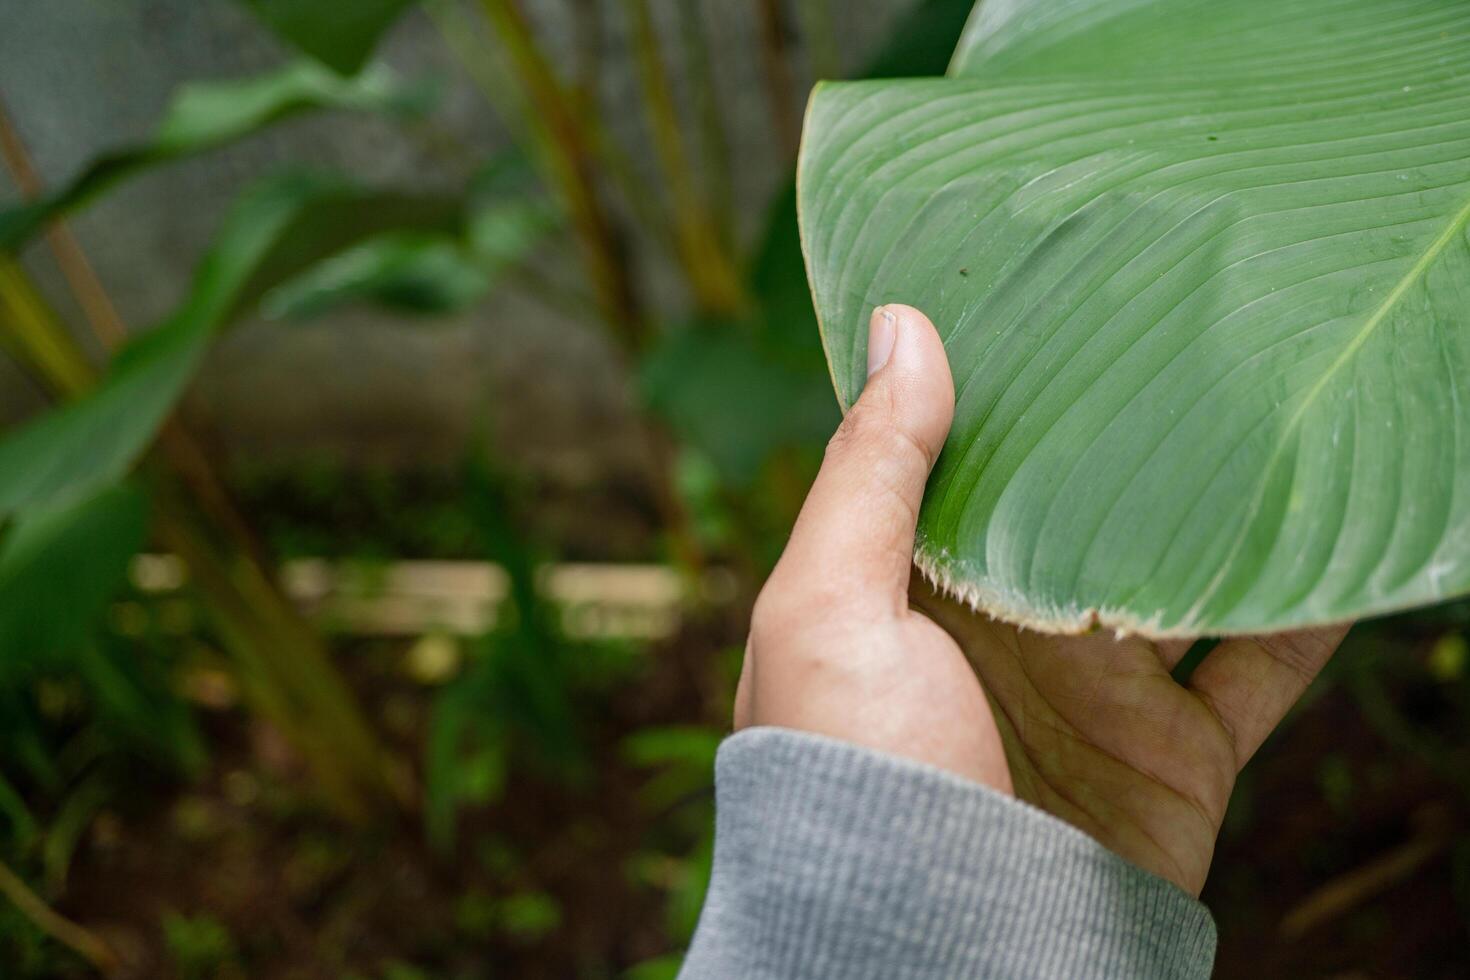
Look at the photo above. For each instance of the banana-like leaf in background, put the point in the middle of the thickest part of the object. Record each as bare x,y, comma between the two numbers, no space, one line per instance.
411,272
205,115
59,568
340,35
431,272
1203,273
280,226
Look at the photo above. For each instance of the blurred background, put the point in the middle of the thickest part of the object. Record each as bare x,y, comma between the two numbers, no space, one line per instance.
377,614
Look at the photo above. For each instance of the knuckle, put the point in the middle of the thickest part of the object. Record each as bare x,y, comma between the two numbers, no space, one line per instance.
783,613
848,435
876,431
1301,653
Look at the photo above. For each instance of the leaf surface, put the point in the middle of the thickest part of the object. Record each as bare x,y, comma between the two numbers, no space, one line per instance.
340,35
1203,273
59,569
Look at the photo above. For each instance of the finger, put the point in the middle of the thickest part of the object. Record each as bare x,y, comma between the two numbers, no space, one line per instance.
855,535
1250,682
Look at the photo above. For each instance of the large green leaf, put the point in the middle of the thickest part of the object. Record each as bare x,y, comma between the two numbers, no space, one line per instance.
280,226
1203,273
205,115
341,34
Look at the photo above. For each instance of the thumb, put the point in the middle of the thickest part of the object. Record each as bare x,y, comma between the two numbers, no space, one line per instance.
855,535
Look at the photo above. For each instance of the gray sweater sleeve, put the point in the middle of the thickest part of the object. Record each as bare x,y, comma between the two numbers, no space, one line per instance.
834,861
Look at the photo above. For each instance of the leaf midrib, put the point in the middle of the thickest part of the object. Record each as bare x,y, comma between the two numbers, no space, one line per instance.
1456,226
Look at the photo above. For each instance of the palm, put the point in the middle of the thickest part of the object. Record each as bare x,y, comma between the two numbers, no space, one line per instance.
1097,732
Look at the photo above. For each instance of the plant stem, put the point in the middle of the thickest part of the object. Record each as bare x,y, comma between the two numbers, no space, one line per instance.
95,303
460,34
86,944
282,664
780,87
500,91
32,331
713,138
557,123
566,156
711,272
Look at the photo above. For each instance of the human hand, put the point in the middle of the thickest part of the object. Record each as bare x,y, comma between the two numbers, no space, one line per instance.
1090,728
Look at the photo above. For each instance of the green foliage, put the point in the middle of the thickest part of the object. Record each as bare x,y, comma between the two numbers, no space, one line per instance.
398,970
770,364
694,376
280,226
60,567
685,758
1448,659
206,115
59,570
682,788
406,271
1335,782
923,42
132,701
79,723
528,916
1198,272
340,35
514,700
200,945
28,954
79,730
92,443
509,214
423,270
659,968
700,488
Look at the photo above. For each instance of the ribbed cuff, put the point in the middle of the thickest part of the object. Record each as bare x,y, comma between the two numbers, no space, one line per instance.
832,860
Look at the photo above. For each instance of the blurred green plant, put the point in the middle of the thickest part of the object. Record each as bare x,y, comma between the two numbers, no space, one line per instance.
207,115
515,700
88,675
78,731
109,470
340,36
682,792
201,945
